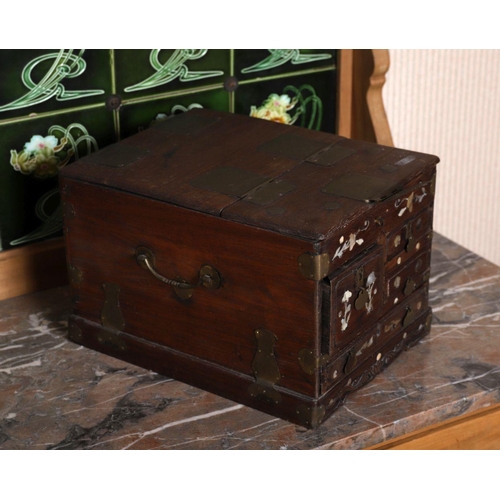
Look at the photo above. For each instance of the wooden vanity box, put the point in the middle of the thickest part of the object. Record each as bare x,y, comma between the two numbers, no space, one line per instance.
279,267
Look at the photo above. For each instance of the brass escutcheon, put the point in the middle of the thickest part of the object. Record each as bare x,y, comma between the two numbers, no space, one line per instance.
409,317
410,286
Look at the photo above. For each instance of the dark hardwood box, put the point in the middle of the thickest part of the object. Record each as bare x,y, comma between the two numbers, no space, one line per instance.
276,266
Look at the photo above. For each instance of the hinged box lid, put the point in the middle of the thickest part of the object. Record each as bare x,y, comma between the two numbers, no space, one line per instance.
282,178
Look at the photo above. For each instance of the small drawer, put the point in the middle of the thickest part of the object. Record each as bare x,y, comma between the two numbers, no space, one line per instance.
356,298
403,242
404,314
403,281
422,244
413,202
352,241
394,327
377,351
335,371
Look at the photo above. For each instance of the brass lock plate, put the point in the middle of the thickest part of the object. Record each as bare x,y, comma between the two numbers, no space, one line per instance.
361,300
410,286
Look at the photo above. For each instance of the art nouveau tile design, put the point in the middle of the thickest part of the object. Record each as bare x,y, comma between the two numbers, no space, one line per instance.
48,80
58,395
255,63
112,94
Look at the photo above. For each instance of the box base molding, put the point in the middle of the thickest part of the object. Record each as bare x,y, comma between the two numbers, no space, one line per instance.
293,407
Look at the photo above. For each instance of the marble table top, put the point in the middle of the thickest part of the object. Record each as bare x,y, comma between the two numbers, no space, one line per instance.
55,394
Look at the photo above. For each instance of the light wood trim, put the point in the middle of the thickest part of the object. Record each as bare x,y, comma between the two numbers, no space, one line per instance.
374,99
365,118
479,430
344,101
32,267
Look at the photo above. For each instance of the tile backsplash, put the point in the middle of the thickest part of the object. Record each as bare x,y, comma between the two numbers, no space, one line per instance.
59,105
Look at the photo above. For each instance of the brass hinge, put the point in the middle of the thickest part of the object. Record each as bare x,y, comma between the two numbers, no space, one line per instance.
111,339
309,362
265,368
314,267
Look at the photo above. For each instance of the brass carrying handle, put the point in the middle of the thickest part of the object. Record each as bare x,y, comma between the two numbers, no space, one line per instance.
208,276
142,259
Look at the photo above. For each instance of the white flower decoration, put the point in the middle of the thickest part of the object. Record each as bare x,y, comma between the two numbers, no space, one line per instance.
278,101
39,143
284,100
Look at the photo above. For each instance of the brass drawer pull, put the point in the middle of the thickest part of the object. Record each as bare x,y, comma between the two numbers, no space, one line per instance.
209,277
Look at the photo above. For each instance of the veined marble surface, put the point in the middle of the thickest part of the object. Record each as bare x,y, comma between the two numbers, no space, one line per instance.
57,395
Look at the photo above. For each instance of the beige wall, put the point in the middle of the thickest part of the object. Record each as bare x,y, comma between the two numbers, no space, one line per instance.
447,102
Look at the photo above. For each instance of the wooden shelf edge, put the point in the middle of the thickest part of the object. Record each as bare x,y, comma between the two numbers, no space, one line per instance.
344,94
32,268
374,98
479,430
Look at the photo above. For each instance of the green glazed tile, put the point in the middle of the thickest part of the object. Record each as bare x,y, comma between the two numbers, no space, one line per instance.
20,193
253,63
137,117
146,72
311,100
138,82
40,81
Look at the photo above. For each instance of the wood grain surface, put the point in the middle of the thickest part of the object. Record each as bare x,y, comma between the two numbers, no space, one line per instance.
261,283
479,430
33,267
270,319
